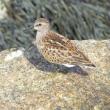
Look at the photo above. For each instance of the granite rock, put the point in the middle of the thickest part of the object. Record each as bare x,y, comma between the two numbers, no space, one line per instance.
28,82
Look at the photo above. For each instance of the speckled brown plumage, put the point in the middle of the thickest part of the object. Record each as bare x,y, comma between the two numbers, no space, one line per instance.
56,48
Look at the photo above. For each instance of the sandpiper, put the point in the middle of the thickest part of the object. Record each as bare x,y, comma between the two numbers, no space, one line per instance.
56,48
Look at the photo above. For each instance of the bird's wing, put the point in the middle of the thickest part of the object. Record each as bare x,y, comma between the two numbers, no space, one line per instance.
57,41
65,48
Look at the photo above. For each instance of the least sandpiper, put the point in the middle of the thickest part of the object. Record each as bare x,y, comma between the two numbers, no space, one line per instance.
56,48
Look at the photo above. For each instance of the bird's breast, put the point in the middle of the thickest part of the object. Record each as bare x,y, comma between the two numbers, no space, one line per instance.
39,42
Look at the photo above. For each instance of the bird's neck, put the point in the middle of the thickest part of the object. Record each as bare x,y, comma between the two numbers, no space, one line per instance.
40,33
39,36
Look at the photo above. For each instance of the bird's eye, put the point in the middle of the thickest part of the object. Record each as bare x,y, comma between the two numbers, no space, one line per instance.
39,24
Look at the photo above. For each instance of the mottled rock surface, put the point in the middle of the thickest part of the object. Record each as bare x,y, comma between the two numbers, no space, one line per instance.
28,82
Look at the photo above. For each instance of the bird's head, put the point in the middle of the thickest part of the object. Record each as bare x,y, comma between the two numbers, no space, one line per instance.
41,24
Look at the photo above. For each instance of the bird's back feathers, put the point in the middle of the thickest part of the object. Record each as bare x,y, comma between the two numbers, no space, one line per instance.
58,49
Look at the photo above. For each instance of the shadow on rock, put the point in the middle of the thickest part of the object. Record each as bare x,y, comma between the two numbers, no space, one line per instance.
40,63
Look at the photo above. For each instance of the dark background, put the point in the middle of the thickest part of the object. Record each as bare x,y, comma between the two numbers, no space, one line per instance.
76,19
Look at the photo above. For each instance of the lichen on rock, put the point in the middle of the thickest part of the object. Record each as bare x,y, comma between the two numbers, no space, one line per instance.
29,82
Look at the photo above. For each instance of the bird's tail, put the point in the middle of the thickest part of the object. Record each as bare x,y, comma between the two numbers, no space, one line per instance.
92,65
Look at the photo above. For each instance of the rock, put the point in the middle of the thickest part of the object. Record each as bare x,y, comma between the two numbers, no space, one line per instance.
28,82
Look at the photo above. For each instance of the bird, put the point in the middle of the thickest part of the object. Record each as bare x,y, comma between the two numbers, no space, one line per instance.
56,48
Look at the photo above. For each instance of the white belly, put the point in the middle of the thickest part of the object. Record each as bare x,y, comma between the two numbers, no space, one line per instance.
69,66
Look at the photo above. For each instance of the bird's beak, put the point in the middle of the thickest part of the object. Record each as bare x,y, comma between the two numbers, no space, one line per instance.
28,28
